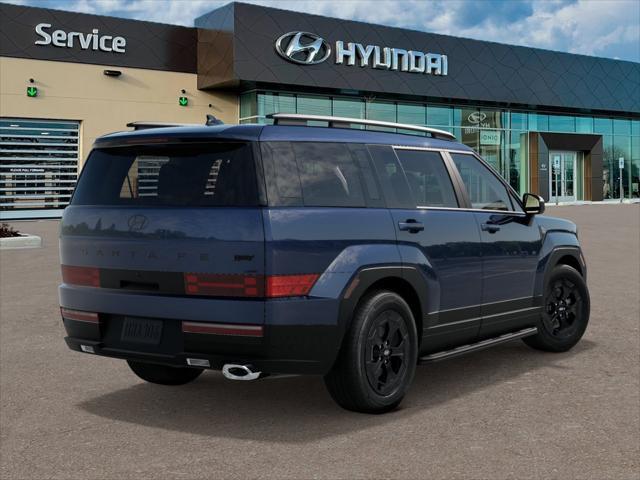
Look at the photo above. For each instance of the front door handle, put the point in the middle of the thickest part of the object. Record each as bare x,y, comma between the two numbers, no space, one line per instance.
490,227
410,225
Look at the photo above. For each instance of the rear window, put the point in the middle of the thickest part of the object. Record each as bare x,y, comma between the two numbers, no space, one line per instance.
211,175
312,174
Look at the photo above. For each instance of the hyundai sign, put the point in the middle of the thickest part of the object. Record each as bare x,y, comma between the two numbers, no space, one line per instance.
307,48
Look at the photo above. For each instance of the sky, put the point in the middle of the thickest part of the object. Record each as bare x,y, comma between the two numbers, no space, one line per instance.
603,28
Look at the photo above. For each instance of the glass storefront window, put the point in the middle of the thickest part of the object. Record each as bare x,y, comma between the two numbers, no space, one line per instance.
383,111
275,103
501,136
348,107
492,119
248,104
438,116
313,105
635,167
518,121
518,160
562,123
621,127
602,125
622,149
609,169
414,114
584,124
538,122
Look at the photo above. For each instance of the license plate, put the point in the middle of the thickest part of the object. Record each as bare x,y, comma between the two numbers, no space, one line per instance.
141,330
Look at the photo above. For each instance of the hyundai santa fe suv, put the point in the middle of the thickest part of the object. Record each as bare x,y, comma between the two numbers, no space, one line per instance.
351,253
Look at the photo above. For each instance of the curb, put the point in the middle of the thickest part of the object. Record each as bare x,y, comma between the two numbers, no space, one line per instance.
23,241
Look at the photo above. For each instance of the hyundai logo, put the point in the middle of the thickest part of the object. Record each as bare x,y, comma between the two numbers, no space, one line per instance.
137,223
303,47
477,117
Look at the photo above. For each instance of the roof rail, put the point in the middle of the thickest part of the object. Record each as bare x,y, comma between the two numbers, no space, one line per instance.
211,120
346,122
143,125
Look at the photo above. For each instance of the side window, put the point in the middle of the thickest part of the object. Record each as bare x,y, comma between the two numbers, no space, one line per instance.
312,174
428,178
485,191
392,179
281,174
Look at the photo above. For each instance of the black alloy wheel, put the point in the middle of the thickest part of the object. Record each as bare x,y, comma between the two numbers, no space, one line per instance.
378,358
563,308
387,347
565,311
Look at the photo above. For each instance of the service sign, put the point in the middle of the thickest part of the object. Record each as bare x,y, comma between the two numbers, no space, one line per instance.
83,41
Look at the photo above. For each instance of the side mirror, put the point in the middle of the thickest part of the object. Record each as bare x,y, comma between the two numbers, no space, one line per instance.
533,204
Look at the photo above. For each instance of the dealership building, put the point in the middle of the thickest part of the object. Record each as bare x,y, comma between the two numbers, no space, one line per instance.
562,125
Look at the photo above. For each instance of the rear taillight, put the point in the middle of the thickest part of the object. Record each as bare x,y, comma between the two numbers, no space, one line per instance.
239,285
79,315
290,285
87,276
222,285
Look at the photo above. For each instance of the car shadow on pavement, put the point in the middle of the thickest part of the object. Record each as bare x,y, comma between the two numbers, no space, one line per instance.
299,409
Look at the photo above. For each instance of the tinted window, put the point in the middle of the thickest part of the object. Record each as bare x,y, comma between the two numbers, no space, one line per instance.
485,190
312,174
392,178
428,178
211,175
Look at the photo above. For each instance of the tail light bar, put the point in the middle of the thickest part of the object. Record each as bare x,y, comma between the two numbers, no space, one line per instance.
86,276
256,286
223,285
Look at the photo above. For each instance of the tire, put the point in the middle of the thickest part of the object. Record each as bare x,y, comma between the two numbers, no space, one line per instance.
565,311
162,374
378,358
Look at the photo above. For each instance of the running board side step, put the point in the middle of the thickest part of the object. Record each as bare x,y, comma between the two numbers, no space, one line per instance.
474,347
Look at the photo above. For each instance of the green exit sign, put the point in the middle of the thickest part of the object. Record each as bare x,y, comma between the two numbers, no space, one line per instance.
32,92
183,101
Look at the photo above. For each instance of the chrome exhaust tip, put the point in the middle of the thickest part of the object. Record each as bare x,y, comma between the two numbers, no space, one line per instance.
233,371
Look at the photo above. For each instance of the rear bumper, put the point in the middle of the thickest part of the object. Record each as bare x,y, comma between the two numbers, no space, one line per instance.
265,365
299,336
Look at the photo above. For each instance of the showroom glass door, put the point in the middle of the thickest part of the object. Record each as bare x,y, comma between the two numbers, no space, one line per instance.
562,181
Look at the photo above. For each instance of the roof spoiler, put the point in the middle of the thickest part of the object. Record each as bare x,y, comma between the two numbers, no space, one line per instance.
144,125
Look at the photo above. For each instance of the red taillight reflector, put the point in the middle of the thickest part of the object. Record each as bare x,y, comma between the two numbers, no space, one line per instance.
88,276
79,315
224,285
223,329
290,285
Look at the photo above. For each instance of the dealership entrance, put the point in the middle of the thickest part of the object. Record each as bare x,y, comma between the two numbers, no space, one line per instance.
563,181
566,167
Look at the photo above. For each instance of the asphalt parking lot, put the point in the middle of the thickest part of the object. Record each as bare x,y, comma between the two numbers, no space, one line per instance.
508,412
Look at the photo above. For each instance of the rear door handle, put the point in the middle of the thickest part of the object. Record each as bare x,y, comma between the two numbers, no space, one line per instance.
410,226
490,227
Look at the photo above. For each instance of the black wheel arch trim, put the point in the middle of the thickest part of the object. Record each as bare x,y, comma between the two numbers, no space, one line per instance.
365,277
557,254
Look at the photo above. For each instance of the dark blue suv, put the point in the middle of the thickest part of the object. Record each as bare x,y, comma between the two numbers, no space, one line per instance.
295,249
